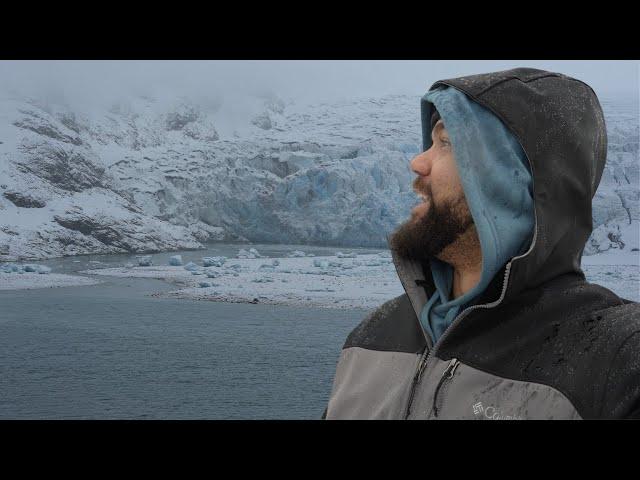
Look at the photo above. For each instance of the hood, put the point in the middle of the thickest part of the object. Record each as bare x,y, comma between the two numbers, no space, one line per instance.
558,122
495,176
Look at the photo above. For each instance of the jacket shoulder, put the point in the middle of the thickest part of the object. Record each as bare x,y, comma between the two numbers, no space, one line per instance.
393,326
620,329
577,337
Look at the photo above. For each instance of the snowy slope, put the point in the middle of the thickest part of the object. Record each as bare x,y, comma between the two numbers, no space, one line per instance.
149,175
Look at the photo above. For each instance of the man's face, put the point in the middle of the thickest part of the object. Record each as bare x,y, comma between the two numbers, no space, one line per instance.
443,215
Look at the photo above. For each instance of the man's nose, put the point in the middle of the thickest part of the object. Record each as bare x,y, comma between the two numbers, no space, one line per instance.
421,164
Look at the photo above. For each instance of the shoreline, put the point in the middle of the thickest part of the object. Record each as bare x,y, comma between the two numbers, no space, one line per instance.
349,281
34,281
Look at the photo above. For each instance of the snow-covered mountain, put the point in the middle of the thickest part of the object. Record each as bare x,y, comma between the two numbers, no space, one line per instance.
148,175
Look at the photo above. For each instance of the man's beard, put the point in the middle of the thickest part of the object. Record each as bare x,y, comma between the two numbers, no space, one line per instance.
425,237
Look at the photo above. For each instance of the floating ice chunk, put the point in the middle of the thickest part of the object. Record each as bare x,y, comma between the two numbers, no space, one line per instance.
262,280
346,255
297,253
213,261
255,252
212,273
373,263
267,266
320,263
191,267
30,268
175,261
235,266
242,253
129,265
204,284
43,269
144,261
197,272
275,262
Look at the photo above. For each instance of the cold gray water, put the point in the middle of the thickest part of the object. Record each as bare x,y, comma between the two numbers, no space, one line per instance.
111,351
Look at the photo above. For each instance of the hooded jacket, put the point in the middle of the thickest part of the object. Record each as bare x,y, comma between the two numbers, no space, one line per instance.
539,341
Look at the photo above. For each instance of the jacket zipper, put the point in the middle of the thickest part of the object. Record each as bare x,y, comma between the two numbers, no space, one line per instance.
446,376
416,379
429,353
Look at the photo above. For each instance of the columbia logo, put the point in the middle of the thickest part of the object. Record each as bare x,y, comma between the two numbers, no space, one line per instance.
492,413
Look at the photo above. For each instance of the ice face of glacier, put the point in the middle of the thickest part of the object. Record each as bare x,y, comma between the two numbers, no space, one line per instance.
148,174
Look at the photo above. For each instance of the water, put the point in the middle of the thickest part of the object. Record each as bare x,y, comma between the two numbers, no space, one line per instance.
110,351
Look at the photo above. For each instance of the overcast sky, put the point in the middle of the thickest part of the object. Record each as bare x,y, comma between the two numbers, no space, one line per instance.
311,80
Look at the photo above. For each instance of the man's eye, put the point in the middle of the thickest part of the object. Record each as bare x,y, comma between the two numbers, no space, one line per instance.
445,142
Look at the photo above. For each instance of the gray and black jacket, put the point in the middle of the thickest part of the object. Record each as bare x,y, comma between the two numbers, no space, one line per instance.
540,342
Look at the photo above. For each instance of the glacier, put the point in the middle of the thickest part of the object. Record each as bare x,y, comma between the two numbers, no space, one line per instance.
149,175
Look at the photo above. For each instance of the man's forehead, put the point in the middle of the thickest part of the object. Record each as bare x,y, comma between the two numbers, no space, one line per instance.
438,126
435,116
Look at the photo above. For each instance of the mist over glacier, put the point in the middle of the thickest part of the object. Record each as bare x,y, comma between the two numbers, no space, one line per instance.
157,167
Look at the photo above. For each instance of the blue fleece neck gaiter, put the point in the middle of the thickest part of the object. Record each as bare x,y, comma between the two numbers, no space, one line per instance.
497,184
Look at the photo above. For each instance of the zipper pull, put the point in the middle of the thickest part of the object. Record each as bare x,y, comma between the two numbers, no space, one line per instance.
446,375
416,379
451,368
421,368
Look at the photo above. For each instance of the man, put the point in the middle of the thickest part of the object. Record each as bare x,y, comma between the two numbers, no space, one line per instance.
497,320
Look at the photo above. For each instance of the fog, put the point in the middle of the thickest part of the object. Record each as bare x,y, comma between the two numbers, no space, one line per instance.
98,83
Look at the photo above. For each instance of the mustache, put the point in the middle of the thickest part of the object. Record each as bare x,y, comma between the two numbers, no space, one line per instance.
421,187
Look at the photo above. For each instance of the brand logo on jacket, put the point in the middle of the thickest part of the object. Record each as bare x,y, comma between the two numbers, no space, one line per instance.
492,413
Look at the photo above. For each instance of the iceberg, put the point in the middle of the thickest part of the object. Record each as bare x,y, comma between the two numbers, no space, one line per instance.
144,261
262,280
191,267
242,253
176,261
213,261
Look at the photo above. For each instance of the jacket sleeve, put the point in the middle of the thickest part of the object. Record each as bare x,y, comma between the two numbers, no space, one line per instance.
621,398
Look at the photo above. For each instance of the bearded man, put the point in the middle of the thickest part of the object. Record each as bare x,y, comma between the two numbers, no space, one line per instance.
497,320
